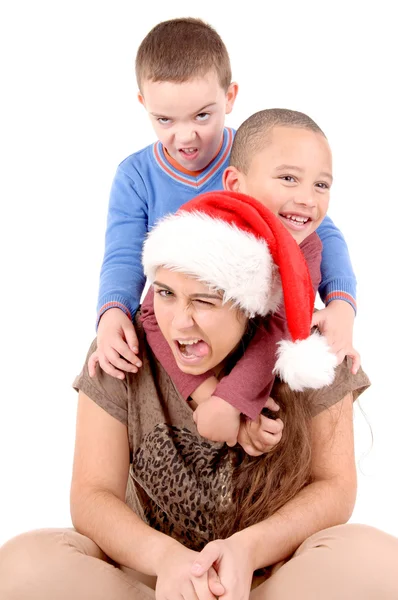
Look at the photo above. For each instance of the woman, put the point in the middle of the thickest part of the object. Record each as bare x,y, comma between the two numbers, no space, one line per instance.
151,499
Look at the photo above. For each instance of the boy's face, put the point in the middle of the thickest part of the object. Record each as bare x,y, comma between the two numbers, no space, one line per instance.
291,176
188,118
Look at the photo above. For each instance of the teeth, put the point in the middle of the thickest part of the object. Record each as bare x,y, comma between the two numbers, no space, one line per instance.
188,342
188,150
297,218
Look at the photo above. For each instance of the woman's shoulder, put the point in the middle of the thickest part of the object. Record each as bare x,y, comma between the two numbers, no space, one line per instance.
345,382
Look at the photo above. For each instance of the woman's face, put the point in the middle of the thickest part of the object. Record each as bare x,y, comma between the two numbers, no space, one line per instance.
200,330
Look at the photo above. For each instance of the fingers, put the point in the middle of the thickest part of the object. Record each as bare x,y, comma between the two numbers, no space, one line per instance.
273,426
262,435
201,586
271,404
125,353
92,363
114,360
316,318
250,449
356,361
245,441
267,440
108,368
131,338
207,557
214,583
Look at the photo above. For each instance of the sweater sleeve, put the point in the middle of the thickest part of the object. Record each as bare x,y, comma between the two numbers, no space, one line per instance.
338,278
249,384
122,278
186,384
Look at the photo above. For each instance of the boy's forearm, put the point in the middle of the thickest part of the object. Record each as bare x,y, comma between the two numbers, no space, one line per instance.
338,277
249,384
122,279
205,390
119,532
320,505
113,294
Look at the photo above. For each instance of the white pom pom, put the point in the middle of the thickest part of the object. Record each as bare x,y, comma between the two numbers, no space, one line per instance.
305,364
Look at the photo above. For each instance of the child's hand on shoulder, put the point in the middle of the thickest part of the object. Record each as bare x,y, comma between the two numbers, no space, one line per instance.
117,345
336,323
217,420
263,434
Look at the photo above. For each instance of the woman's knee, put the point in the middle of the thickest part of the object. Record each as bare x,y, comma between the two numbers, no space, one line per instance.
349,537
359,550
34,560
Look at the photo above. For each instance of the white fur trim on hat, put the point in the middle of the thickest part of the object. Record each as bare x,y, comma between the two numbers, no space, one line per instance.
219,254
306,363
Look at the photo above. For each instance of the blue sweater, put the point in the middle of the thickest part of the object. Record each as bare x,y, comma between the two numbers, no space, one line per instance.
145,188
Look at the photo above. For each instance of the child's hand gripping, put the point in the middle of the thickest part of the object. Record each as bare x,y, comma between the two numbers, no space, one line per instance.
117,345
336,323
264,433
218,421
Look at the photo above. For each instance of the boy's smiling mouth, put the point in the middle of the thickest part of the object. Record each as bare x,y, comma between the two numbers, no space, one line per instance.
295,221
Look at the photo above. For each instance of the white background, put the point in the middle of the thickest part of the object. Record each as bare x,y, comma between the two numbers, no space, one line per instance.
69,115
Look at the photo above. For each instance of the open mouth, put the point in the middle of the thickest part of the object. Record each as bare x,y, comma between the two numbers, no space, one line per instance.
295,221
189,153
192,350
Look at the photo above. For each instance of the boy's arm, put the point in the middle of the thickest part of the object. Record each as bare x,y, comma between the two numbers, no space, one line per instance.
249,384
338,278
185,384
337,290
122,278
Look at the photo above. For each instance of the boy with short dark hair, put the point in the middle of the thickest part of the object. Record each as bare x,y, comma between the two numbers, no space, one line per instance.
281,158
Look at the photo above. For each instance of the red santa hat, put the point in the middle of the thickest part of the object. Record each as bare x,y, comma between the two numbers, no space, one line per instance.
233,243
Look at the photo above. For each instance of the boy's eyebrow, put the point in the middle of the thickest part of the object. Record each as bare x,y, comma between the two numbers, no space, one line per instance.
203,107
195,112
300,170
289,167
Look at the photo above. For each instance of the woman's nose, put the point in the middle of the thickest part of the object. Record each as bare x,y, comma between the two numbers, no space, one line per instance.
182,318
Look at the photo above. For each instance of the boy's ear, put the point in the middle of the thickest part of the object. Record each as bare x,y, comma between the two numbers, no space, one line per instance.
141,99
231,179
231,94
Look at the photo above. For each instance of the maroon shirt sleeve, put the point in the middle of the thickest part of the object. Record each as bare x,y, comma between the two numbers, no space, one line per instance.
249,384
186,384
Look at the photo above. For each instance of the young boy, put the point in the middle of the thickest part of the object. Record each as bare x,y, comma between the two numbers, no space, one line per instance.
281,158
184,78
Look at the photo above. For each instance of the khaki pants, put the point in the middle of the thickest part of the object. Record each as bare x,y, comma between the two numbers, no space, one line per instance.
348,562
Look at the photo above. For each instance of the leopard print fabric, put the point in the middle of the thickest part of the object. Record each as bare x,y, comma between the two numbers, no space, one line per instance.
186,481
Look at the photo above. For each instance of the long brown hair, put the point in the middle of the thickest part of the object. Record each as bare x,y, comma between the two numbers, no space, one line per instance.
262,485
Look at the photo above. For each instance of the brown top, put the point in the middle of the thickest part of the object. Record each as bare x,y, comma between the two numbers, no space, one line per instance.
178,480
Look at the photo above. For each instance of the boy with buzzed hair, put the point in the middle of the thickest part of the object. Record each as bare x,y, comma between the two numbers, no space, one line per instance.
281,158
184,79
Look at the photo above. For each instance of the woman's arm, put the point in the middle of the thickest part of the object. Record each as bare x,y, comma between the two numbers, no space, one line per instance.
327,501
98,509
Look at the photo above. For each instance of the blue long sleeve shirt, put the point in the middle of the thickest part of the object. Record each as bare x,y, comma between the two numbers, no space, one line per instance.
145,188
